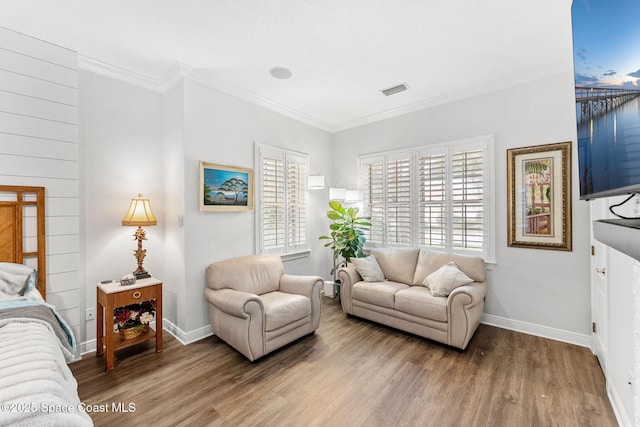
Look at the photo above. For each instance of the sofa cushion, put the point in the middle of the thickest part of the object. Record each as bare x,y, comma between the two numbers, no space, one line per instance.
397,264
377,293
368,268
430,261
281,309
445,279
255,274
418,301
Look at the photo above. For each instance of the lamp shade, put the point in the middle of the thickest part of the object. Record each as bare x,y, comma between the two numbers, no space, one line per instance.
337,193
352,196
139,213
316,182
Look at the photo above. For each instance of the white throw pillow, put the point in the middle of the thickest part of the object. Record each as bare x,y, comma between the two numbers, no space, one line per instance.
368,268
445,279
15,279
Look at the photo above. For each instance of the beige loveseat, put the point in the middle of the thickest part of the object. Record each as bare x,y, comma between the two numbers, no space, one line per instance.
403,302
256,308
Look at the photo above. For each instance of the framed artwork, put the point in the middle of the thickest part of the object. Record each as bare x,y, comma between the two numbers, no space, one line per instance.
539,196
225,188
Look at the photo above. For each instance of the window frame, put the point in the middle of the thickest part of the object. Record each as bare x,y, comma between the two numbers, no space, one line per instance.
287,250
483,142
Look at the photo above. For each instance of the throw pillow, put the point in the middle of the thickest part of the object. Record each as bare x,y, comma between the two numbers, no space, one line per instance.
368,268
445,279
15,279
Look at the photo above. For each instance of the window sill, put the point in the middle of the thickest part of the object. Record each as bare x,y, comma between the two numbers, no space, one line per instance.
296,255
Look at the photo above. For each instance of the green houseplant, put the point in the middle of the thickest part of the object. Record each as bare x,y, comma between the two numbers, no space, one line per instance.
346,238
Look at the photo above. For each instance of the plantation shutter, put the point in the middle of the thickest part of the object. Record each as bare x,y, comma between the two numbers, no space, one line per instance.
432,219
296,203
432,196
373,199
273,203
399,201
467,184
282,218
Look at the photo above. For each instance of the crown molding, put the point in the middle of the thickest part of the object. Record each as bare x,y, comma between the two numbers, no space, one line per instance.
451,97
203,77
113,71
179,71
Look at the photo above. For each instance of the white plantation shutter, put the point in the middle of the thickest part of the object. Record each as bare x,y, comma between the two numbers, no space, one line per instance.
434,196
273,203
296,203
282,218
467,200
432,220
399,213
373,199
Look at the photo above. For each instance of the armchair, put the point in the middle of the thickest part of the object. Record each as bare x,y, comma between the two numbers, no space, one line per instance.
256,308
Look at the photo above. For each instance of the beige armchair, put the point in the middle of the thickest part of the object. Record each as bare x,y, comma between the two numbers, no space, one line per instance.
256,308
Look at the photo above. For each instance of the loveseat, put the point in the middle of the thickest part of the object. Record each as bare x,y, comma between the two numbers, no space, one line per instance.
403,300
256,308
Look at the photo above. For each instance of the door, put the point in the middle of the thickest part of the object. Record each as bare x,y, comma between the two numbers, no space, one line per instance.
599,289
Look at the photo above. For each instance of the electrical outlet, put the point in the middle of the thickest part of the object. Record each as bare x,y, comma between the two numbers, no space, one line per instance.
91,314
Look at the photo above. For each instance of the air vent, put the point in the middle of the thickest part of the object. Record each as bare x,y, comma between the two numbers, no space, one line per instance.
395,89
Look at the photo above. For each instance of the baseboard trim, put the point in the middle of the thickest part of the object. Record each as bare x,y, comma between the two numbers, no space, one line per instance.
183,337
537,330
616,404
187,337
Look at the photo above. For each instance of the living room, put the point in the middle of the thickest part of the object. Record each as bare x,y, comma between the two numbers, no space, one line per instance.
147,134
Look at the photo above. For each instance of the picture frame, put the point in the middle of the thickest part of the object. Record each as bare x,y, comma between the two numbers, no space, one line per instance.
225,188
539,197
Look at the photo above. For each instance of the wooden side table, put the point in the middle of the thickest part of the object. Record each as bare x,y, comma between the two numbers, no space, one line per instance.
113,295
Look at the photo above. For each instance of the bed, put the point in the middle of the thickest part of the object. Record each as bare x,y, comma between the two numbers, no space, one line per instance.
37,387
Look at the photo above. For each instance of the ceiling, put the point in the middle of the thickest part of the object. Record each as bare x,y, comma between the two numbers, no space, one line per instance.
341,52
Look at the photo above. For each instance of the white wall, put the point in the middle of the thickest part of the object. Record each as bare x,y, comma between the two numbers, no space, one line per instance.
549,289
122,131
39,146
220,128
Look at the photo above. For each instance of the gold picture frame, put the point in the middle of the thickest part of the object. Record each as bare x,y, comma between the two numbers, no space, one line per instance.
539,196
225,188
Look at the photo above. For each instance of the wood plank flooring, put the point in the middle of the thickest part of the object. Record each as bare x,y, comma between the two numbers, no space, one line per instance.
352,373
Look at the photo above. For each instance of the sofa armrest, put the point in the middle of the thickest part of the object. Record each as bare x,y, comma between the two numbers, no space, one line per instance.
232,302
465,306
302,285
348,277
475,293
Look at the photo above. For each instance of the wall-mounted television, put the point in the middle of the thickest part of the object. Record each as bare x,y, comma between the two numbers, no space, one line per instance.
606,54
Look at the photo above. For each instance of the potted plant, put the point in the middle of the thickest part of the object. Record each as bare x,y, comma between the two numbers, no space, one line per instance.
346,239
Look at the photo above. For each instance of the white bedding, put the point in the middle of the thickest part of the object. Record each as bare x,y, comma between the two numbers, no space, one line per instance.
37,387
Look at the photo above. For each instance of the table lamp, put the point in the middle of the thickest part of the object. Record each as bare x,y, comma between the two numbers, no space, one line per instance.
139,214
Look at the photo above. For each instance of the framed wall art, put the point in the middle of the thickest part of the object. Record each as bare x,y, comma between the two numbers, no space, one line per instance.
225,188
539,196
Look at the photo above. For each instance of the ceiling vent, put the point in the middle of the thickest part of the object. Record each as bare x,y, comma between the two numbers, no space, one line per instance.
395,89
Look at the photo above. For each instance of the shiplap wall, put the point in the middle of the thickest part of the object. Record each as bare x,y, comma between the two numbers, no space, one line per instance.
39,146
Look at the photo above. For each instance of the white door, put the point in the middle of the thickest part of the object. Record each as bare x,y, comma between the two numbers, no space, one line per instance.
599,289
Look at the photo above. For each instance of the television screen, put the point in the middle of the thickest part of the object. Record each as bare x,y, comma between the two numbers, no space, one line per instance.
606,49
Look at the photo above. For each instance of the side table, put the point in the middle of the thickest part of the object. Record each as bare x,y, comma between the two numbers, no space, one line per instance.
112,295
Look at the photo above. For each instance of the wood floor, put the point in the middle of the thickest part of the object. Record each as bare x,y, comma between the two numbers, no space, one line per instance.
352,373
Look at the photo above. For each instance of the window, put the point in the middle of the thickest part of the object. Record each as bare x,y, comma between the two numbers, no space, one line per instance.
282,219
433,196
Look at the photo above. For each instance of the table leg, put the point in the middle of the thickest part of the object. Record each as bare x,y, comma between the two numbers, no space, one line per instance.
109,344
99,329
159,323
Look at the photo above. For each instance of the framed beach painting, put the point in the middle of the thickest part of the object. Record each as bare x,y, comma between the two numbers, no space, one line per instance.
539,196
225,188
